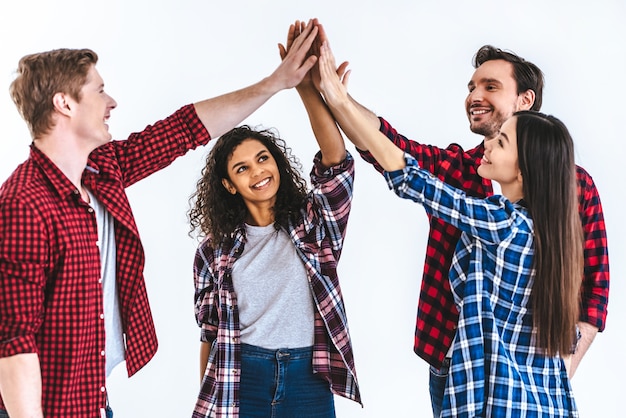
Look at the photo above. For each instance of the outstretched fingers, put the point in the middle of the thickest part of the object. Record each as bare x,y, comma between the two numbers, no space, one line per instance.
296,60
333,80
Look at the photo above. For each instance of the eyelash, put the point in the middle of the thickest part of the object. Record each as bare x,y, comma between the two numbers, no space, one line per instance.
262,159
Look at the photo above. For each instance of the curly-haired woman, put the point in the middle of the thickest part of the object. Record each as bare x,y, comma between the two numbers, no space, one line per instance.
274,334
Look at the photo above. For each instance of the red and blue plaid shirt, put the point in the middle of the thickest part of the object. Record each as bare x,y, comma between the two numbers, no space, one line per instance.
318,237
437,315
51,301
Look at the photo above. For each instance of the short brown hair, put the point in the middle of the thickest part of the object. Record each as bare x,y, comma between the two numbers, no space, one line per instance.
40,76
526,74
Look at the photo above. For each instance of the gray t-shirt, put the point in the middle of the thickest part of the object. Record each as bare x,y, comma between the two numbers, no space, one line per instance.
275,301
114,343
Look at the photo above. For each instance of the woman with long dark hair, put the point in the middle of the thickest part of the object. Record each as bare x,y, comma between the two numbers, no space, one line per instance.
275,340
517,268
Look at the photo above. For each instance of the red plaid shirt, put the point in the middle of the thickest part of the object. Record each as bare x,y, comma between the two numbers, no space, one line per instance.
437,315
51,300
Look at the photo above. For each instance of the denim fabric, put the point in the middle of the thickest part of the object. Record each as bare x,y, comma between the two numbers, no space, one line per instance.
281,384
437,386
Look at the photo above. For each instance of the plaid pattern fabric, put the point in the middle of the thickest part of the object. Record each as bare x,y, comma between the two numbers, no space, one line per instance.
495,369
437,316
51,299
318,237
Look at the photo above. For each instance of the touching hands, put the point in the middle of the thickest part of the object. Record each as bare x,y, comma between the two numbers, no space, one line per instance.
297,60
312,79
333,83
295,30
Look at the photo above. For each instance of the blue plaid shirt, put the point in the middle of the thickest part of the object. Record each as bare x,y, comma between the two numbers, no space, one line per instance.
318,238
496,369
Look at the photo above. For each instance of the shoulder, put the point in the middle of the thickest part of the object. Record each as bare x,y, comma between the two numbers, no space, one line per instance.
584,178
26,184
587,191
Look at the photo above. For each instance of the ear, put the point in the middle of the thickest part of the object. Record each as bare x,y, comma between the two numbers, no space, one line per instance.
527,99
61,103
228,186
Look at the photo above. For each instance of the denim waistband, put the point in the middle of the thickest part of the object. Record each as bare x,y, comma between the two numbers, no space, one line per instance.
267,353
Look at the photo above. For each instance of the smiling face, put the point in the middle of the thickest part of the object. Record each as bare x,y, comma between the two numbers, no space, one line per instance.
493,97
92,111
500,162
253,174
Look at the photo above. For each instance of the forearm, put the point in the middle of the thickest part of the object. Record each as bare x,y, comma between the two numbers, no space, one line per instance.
360,128
222,113
20,385
324,127
205,350
366,113
368,117
588,334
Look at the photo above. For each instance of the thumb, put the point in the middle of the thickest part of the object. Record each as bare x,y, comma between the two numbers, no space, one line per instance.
282,51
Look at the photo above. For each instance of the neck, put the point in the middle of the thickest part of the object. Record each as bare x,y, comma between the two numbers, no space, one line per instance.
260,216
513,192
70,159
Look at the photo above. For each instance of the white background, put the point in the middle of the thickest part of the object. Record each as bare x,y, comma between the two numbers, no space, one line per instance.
411,62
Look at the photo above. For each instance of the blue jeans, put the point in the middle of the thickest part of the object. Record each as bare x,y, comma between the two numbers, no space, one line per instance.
281,384
437,386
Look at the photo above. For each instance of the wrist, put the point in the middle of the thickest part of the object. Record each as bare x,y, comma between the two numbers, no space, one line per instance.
307,90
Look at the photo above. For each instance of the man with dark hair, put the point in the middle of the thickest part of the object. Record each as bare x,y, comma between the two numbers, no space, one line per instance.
501,84
73,302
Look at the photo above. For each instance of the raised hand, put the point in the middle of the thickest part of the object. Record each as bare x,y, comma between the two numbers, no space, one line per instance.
295,31
333,83
296,57
313,76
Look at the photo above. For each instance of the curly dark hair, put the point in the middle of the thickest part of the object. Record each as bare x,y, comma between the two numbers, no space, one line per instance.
216,213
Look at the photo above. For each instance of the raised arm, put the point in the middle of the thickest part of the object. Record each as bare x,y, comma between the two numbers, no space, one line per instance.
222,113
352,119
326,132
368,116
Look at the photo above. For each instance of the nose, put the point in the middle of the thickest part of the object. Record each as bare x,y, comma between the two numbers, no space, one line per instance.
257,170
112,103
474,96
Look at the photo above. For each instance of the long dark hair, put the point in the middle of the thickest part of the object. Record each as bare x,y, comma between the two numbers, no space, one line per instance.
546,161
217,213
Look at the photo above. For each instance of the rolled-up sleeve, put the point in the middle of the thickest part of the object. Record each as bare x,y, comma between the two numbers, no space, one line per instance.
23,254
205,294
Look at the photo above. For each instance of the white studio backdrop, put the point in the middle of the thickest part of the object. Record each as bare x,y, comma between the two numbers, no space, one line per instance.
411,62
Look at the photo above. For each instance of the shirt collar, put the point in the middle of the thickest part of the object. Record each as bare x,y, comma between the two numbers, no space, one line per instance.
58,180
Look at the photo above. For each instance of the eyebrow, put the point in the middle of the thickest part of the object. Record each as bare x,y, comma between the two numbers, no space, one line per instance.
485,81
258,154
502,134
